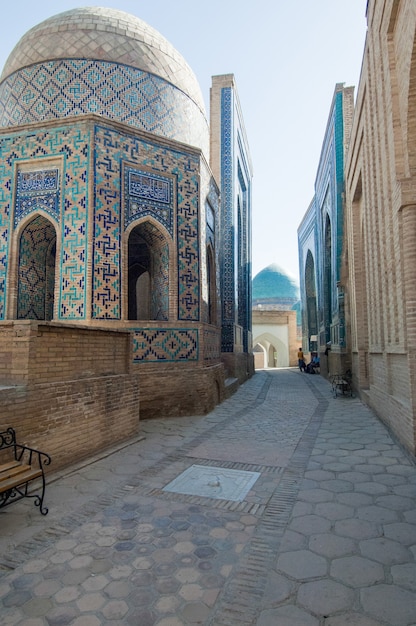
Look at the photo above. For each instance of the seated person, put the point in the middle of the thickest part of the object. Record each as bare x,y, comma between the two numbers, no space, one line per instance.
314,364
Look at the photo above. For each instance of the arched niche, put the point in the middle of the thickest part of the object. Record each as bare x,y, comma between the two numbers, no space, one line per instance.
36,270
327,278
148,273
311,304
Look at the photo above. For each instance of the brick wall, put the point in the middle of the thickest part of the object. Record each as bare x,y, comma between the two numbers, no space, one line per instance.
183,390
381,222
68,391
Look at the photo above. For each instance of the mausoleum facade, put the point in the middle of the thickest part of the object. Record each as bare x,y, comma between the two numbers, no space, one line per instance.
110,213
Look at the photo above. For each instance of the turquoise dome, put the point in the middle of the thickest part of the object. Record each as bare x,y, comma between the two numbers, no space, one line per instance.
274,284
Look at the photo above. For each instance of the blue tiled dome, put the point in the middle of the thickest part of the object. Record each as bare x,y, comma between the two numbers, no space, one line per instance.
107,62
273,284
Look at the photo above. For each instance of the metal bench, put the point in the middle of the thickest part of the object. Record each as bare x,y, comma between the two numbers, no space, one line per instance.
342,384
19,467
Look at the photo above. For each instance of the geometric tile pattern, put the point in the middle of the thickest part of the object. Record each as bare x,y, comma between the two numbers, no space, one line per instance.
112,148
165,344
36,270
69,145
228,221
69,87
235,227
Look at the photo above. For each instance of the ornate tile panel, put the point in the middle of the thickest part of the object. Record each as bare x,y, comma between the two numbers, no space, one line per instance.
71,143
228,226
111,148
148,193
165,344
37,189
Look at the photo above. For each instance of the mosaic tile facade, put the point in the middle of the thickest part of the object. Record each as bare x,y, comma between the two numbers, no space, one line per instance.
320,236
165,344
235,226
227,243
111,148
70,146
57,89
37,189
36,280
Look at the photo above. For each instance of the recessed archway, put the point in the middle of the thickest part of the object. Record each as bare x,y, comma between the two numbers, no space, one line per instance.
311,304
148,273
36,270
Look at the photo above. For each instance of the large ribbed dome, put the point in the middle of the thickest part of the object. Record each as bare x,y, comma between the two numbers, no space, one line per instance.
108,63
273,284
107,35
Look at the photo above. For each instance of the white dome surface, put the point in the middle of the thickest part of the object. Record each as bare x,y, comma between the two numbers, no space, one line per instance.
106,35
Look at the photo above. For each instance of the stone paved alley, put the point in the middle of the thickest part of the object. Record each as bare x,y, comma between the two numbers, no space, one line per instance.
295,509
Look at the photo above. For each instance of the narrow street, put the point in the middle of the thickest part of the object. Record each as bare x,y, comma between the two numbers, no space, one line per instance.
282,507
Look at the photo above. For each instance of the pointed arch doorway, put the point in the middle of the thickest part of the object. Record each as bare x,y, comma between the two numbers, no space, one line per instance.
148,273
36,270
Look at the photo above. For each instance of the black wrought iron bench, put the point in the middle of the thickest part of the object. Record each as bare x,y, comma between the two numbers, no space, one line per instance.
19,466
342,384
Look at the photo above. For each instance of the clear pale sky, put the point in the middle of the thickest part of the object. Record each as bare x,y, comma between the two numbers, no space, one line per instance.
286,55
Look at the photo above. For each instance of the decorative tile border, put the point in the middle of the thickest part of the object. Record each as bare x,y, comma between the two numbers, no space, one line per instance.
167,345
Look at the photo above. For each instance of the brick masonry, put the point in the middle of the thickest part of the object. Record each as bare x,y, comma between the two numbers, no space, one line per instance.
380,219
68,391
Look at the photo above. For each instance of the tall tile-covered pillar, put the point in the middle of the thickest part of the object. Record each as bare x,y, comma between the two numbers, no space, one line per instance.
231,166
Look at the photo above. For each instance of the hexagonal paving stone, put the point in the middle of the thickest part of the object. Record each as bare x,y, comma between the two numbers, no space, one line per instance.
302,564
167,604
356,529
95,583
91,602
315,495
397,503
390,603
324,597
385,551
333,511
205,552
187,575
67,594
195,612
401,532
118,589
37,607
330,545
405,575
357,571
310,524
115,610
